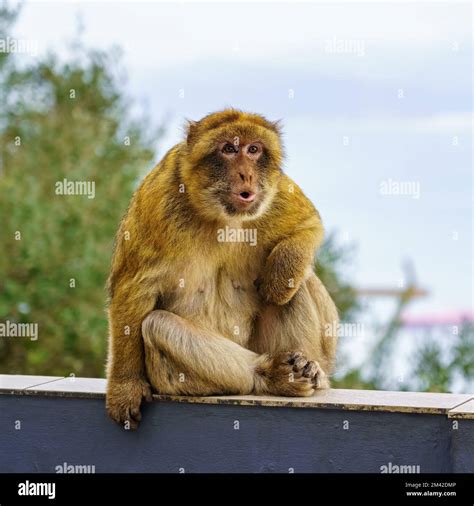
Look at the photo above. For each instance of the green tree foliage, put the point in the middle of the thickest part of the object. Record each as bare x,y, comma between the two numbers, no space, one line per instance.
437,370
331,262
62,120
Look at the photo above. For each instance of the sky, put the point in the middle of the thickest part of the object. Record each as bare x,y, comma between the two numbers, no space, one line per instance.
375,100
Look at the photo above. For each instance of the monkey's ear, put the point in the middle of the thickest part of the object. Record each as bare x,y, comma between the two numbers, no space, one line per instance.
191,130
278,126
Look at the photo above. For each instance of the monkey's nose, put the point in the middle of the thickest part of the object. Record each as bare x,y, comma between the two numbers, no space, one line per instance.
246,196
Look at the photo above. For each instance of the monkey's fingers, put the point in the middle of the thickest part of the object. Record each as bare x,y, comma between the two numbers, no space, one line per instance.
135,414
117,414
123,418
132,418
130,423
147,394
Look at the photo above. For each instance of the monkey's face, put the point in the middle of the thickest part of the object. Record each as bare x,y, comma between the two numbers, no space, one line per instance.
235,166
242,189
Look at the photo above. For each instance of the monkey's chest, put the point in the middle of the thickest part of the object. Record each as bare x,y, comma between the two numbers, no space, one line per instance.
219,300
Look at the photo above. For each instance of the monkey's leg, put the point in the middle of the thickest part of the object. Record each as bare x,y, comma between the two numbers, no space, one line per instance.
307,323
183,359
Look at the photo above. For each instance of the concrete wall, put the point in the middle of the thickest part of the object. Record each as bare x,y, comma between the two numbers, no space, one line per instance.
39,431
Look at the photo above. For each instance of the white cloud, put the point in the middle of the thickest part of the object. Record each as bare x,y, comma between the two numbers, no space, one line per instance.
450,123
159,34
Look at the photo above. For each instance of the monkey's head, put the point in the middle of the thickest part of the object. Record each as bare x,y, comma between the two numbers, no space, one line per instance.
233,164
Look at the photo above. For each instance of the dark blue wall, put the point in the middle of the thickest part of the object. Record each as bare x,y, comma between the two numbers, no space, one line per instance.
462,447
202,438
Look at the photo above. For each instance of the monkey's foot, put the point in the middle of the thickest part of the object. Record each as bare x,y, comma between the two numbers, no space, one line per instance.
314,371
290,374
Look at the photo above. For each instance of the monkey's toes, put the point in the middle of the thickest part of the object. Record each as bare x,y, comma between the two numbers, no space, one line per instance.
299,363
304,369
292,356
318,376
310,370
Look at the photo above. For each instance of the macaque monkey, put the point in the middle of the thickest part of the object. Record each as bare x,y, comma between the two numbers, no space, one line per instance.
212,289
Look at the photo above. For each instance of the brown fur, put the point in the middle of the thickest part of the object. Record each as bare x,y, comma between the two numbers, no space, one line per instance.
191,315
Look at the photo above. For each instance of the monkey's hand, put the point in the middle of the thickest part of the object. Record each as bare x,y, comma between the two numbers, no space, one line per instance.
285,268
275,289
124,399
287,265
290,374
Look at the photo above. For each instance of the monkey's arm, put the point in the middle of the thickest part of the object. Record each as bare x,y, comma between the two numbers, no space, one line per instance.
132,297
127,384
301,233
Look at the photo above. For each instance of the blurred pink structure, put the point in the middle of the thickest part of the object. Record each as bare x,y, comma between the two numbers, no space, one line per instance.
433,320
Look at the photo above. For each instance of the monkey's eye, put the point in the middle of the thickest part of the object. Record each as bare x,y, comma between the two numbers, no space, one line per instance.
229,148
253,149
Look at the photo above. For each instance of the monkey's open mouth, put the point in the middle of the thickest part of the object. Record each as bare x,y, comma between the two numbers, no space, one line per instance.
246,202
246,196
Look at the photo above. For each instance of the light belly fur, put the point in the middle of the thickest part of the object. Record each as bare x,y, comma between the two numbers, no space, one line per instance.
219,299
